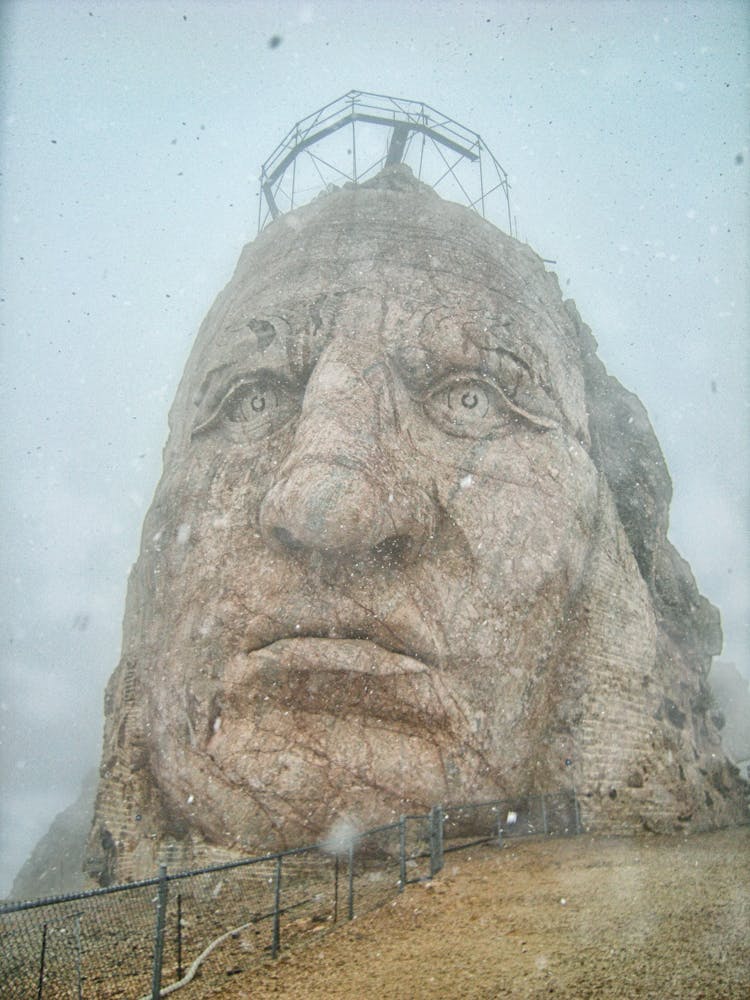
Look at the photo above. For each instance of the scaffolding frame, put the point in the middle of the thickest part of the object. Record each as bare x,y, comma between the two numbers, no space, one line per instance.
439,150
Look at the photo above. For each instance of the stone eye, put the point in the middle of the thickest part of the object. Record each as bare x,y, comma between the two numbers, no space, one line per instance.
249,402
252,407
473,407
464,407
471,399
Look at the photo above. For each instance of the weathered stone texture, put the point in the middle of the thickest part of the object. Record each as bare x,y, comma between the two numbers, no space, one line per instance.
409,546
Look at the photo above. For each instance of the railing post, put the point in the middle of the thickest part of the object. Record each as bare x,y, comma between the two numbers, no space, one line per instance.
161,913
41,963
436,840
351,882
276,909
402,853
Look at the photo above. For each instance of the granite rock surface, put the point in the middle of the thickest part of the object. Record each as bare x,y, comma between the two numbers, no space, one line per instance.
409,546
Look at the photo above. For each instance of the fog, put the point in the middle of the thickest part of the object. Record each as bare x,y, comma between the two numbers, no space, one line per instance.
132,135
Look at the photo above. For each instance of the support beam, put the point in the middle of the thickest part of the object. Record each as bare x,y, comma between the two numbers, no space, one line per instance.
397,144
270,200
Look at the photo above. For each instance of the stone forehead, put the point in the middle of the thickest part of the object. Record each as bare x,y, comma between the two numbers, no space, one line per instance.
407,253
363,236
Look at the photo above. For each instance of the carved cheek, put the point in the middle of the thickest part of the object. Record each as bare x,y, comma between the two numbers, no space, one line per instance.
214,505
525,506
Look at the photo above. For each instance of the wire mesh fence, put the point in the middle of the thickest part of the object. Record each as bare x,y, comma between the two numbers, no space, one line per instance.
131,941
523,816
97,945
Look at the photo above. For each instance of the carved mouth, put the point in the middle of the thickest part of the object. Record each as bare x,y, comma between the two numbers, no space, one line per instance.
382,639
341,678
403,634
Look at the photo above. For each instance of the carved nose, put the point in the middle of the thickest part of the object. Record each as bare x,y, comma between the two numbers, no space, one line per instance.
330,508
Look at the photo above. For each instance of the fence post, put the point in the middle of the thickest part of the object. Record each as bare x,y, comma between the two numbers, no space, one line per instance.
436,840
161,914
336,890
402,853
179,936
351,882
276,909
41,963
78,955
576,811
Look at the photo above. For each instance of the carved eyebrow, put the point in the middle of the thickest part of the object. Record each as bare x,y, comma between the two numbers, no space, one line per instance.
209,380
424,367
262,347
496,372
424,371
263,329
514,357
219,380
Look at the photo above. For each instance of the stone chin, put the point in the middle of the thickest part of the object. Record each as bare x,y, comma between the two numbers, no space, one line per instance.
310,729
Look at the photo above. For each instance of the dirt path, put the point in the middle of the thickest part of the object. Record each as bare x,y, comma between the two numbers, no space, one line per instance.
581,918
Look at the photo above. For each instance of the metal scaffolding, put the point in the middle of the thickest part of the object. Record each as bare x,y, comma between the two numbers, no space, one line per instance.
353,138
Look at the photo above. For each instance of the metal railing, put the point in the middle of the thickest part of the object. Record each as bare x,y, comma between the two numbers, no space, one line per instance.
132,940
350,139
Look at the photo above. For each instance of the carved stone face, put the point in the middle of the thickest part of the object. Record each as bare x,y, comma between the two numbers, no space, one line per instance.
375,516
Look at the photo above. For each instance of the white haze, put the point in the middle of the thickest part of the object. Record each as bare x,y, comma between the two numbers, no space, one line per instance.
132,133
341,837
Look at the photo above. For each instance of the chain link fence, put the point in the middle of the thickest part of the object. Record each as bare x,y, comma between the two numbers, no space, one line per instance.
133,941
90,945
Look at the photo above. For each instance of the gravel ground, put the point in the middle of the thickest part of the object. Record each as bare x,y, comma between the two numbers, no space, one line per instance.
587,917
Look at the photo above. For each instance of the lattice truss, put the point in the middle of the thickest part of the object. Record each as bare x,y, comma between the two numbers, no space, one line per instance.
353,138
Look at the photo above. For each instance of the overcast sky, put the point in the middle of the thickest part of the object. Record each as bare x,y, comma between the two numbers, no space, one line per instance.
132,134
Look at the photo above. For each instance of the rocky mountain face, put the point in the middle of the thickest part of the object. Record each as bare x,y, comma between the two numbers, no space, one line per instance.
731,693
409,546
56,865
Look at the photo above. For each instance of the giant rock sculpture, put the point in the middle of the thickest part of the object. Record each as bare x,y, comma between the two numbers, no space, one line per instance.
409,546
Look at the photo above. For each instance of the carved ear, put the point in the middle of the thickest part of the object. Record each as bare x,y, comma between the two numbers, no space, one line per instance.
625,450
